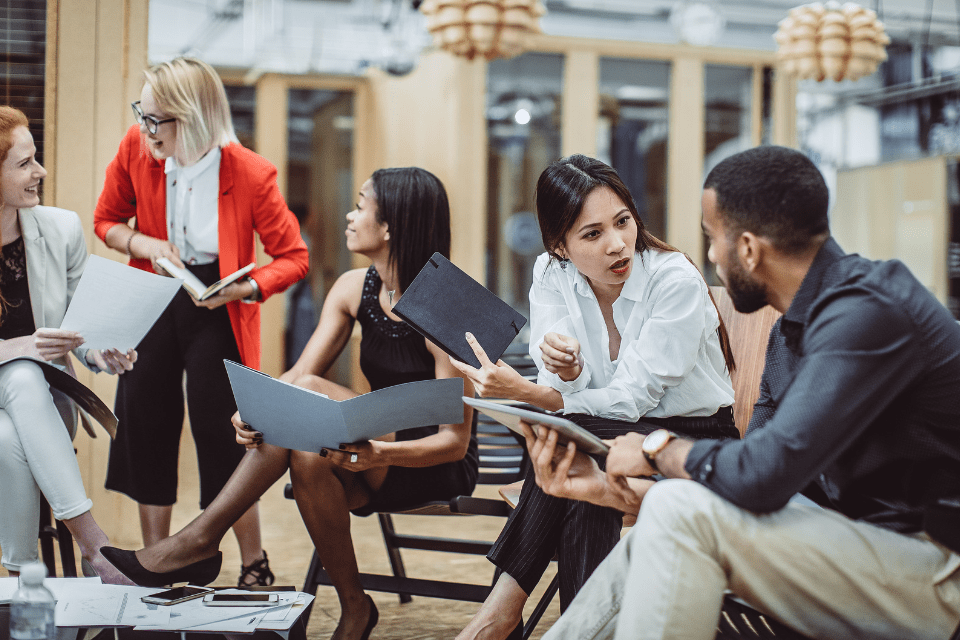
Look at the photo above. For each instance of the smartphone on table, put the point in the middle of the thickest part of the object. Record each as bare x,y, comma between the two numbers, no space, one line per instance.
240,599
175,595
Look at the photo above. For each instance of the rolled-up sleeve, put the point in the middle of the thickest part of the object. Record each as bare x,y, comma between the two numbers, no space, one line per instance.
858,352
664,352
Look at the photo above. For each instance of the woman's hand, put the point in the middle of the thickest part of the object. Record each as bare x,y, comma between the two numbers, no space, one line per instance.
245,436
561,355
564,473
490,380
112,360
51,344
356,456
231,292
144,246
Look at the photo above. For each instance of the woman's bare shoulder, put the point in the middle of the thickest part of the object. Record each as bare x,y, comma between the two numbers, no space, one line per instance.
347,290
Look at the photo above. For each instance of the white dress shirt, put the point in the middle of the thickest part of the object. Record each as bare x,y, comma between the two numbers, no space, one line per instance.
193,207
670,362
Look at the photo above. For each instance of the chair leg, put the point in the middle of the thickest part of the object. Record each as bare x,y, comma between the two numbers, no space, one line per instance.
393,552
68,559
47,533
541,607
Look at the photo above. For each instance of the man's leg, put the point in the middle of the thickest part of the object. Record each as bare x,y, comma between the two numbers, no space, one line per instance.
813,569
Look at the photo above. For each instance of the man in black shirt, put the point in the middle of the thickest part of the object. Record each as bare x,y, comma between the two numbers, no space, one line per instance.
859,408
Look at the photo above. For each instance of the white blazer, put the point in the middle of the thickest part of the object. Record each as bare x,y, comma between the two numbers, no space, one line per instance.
56,255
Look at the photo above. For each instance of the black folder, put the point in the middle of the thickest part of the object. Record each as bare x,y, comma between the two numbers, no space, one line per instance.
443,303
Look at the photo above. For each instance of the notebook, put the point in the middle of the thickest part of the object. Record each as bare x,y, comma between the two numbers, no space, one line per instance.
443,303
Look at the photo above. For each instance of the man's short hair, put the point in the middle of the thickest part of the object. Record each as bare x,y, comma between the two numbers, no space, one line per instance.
774,192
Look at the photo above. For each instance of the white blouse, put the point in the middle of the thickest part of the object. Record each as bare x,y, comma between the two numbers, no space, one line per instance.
193,207
670,362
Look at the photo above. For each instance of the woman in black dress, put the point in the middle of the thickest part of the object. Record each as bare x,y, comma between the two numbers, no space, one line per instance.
401,218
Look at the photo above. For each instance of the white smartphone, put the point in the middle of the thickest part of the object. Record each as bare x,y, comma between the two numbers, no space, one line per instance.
240,599
175,595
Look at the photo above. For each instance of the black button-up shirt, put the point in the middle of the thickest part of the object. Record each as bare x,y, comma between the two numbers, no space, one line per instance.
860,396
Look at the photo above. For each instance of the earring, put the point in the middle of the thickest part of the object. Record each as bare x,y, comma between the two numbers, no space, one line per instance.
386,236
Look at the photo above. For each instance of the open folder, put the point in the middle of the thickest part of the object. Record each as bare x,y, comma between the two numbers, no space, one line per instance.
292,417
443,303
511,416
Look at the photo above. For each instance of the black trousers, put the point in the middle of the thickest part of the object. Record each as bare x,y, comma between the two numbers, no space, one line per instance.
580,534
143,458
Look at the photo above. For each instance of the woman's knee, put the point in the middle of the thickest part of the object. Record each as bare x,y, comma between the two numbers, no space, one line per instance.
306,466
10,445
23,377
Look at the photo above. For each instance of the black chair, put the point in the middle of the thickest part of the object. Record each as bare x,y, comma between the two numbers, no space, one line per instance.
51,531
503,460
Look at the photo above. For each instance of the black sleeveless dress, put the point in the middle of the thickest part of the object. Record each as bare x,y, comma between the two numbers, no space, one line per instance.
392,353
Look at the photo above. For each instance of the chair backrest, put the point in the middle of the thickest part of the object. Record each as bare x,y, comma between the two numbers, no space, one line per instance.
502,453
748,338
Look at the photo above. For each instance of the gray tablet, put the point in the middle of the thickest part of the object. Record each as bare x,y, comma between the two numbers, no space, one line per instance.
511,416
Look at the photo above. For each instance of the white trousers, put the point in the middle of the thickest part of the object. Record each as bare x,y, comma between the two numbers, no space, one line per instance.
815,570
36,455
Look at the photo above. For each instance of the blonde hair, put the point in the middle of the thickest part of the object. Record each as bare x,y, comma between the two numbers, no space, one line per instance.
191,91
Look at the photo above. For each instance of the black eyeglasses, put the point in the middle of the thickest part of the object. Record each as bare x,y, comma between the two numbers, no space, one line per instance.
152,123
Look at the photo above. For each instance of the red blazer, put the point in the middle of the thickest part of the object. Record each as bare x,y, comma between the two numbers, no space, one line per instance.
250,201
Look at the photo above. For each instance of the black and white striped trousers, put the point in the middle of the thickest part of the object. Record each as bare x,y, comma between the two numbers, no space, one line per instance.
580,534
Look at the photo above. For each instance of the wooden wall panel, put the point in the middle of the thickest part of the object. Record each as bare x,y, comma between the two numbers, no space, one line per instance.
685,148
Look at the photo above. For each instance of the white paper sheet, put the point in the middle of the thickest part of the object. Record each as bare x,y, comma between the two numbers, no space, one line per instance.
115,305
108,605
59,586
193,615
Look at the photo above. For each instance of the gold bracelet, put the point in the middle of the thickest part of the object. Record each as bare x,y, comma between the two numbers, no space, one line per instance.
130,241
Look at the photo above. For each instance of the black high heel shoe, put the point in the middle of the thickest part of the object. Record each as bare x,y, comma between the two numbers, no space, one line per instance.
372,620
199,573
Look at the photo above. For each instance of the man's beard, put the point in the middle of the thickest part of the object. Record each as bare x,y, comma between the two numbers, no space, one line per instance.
747,294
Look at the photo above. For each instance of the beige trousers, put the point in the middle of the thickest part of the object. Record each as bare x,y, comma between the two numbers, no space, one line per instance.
813,569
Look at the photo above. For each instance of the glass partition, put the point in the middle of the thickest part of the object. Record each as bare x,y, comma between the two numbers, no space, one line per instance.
523,125
320,193
633,129
243,106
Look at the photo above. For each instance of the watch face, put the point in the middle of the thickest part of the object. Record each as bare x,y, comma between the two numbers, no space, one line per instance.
653,442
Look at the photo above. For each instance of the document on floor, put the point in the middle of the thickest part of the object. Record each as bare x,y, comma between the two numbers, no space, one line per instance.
59,586
193,615
107,605
292,417
115,305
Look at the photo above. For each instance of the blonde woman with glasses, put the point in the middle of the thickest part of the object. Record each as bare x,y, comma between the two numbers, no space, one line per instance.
196,196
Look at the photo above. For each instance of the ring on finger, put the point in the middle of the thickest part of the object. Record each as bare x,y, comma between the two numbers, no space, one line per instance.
353,457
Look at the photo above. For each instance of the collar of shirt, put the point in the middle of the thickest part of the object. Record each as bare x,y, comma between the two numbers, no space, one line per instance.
798,314
190,173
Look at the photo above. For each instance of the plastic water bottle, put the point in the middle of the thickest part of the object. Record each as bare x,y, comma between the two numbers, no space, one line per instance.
32,606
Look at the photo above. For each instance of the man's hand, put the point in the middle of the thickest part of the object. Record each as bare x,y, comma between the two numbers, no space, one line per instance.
626,457
564,473
561,355
490,380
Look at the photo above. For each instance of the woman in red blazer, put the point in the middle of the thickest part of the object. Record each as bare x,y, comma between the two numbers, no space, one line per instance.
197,197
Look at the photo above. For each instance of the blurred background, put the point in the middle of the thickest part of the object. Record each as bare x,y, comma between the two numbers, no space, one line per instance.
330,90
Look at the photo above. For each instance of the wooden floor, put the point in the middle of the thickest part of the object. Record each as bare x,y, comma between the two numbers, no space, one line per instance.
289,549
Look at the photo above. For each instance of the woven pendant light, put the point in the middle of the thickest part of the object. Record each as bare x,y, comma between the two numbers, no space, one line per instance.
834,41
486,28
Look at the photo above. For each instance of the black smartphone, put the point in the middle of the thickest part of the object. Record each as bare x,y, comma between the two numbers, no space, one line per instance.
175,595
240,599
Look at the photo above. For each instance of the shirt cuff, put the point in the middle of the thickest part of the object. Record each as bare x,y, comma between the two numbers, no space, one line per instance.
577,384
700,460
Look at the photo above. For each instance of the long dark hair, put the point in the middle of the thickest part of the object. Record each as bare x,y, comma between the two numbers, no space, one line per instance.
562,189
413,204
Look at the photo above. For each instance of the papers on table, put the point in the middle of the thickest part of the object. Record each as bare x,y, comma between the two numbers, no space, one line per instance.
85,602
115,305
296,418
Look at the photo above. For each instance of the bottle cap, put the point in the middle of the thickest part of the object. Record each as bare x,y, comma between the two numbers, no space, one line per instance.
33,574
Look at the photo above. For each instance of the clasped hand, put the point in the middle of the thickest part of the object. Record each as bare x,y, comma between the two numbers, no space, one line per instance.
50,344
561,355
490,380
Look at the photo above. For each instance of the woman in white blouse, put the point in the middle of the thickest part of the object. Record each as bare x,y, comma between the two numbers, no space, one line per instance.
626,338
